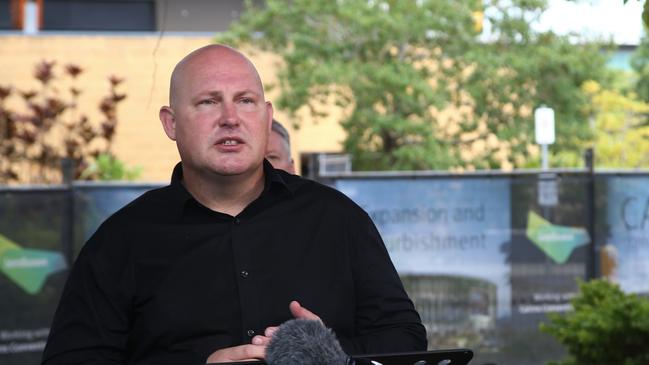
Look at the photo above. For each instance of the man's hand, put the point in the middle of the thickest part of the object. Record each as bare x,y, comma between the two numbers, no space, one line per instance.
257,350
254,351
299,311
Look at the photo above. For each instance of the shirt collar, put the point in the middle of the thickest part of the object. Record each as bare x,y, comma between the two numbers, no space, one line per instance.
273,182
273,178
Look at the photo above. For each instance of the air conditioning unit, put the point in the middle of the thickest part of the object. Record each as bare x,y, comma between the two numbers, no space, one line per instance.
334,163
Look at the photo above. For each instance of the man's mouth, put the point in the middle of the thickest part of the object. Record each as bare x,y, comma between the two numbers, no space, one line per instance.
229,141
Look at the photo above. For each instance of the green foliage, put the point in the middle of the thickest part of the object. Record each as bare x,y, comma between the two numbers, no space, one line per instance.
640,64
621,129
107,167
607,327
50,127
418,85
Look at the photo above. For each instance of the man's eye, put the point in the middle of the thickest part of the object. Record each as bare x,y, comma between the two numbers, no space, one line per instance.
207,101
247,101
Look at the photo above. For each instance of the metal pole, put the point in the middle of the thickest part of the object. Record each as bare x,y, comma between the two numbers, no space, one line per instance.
544,156
592,267
67,235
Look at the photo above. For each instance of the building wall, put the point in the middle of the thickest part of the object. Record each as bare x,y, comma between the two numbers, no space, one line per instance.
146,62
197,15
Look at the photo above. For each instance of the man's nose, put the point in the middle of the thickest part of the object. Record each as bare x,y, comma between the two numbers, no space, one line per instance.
229,115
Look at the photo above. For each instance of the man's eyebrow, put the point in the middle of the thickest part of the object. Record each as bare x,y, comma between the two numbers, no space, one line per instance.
247,92
203,94
236,95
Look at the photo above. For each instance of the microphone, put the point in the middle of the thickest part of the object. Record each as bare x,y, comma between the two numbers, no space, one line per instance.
307,342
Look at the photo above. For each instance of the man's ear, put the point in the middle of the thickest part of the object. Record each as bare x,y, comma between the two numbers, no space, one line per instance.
269,110
168,120
292,169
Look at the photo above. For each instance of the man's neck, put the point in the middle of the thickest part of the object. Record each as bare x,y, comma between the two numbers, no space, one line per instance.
225,194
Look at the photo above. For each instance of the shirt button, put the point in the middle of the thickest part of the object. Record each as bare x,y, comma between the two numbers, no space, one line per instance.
237,220
251,333
244,274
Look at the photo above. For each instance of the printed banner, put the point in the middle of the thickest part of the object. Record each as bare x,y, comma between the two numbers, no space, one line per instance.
549,249
442,227
33,268
627,245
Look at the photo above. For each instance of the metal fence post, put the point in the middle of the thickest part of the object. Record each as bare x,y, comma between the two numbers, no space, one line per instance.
67,233
593,267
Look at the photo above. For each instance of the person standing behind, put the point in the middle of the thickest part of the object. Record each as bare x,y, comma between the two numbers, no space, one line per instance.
278,151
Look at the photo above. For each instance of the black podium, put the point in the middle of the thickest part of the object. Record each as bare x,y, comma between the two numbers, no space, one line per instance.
437,357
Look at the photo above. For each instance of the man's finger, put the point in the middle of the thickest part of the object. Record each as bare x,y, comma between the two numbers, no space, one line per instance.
270,331
251,352
238,353
299,311
260,340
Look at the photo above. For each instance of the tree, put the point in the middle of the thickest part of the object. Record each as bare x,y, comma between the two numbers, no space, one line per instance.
606,327
621,131
50,127
419,86
640,65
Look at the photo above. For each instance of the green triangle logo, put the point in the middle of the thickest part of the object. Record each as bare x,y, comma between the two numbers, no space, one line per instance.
6,244
28,268
558,242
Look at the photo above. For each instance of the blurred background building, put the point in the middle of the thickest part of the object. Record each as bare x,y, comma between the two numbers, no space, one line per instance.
141,41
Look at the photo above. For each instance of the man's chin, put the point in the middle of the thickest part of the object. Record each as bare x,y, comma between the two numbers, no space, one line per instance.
235,169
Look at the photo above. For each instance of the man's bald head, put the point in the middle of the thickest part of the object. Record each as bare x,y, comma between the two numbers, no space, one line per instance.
219,118
213,56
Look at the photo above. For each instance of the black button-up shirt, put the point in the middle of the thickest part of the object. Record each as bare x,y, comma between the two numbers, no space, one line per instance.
167,280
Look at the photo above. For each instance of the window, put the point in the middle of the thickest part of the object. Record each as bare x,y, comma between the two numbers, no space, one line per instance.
5,15
99,15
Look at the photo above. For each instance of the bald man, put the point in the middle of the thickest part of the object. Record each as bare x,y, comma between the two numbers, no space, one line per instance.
205,269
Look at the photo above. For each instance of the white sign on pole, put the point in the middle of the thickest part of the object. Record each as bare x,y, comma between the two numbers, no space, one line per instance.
544,125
